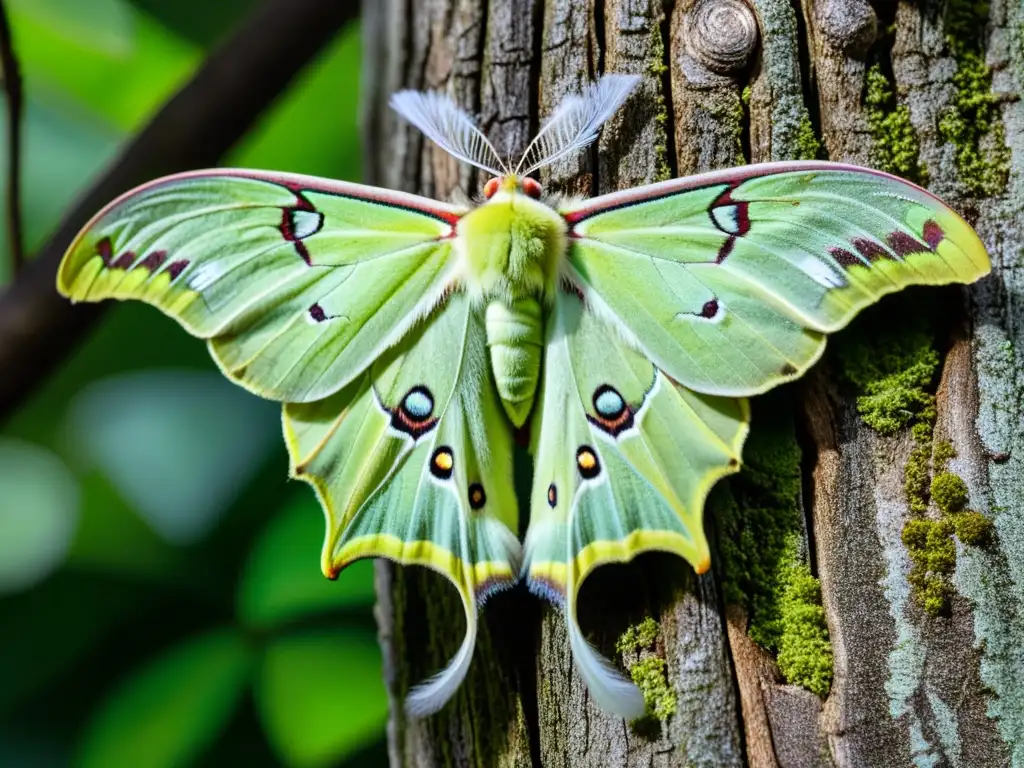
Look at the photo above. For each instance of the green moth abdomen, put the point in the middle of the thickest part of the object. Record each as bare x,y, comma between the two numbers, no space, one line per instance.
515,338
511,249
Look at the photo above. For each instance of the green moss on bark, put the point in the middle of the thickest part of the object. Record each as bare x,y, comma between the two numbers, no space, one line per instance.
808,146
949,492
916,475
933,558
929,541
943,452
649,675
932,553
760,535
638,637
761,524
972,121
638,648
656,67
805,651
894,372
894,145
973,528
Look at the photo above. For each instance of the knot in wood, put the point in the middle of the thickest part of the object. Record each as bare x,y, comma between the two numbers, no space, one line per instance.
722,34
848,25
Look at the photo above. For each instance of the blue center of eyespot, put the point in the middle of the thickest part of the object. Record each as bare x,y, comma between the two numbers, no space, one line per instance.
609,403
418,404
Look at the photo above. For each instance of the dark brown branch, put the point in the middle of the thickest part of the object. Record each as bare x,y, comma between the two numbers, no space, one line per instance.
12,90
38,328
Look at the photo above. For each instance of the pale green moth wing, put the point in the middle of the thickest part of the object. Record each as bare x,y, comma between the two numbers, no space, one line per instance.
298,283
730,280
624,458
412,461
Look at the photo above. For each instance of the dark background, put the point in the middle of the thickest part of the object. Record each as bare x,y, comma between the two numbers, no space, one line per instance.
161,602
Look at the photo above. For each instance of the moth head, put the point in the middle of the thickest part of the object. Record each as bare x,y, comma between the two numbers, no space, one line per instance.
571,127
512,183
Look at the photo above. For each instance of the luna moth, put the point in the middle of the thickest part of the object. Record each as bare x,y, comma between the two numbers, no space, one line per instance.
411,340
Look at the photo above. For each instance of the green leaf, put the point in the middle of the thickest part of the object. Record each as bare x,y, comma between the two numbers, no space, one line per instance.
39,500
130,336
178,445
102,25
321,696
92,71
313,128
113,538
202,22
171,709
121,82
282,580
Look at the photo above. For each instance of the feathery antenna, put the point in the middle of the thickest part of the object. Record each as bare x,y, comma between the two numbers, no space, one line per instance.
443,122
576,121
573,125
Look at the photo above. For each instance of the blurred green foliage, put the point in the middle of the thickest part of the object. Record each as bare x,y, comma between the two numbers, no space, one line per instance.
161,602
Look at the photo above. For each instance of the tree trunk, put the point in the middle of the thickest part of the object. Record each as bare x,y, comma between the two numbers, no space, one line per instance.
859,613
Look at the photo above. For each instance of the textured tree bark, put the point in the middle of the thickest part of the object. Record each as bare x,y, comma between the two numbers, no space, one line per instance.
910,652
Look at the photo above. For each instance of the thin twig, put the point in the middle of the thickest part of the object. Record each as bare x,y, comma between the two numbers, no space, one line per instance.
12,89
38,327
